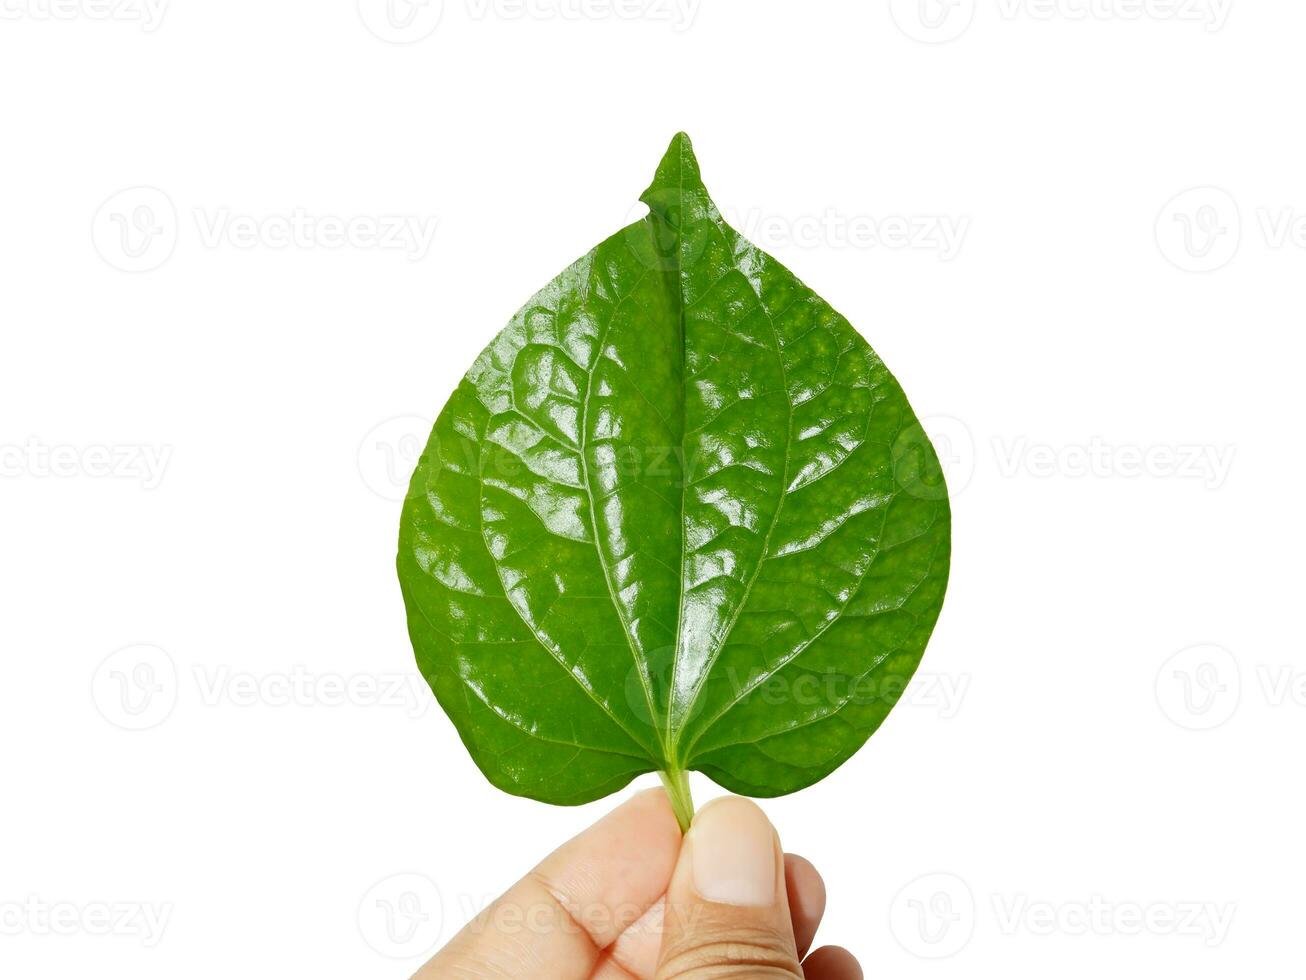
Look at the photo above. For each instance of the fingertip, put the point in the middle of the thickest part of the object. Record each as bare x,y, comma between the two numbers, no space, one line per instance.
734,853
807,896
832,963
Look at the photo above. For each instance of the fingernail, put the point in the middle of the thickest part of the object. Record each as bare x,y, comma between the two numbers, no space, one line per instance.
733,850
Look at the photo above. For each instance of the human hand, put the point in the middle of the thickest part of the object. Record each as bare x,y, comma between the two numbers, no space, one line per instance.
629,898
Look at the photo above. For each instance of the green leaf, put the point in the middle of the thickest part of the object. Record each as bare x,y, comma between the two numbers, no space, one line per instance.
677,516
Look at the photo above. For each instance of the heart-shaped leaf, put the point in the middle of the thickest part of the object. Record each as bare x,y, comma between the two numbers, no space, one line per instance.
677,516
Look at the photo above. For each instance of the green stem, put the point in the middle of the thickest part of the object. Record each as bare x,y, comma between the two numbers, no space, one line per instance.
682,802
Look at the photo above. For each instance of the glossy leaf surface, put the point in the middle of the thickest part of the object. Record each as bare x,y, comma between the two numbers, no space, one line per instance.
678,515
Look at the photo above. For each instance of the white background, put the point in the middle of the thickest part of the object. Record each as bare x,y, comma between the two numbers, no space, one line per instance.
202,456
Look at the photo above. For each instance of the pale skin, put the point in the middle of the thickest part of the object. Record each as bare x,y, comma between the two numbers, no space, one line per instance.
631,899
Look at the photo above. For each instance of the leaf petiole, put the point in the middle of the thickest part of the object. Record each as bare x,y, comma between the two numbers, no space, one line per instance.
682,802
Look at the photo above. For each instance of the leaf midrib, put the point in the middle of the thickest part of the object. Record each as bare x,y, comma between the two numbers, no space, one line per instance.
640,668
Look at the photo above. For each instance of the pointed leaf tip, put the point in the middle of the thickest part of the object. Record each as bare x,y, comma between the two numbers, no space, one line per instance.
678,168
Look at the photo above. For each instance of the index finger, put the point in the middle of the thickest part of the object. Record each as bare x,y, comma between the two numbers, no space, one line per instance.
559,918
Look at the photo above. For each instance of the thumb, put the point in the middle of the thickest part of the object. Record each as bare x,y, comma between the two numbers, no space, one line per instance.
727,912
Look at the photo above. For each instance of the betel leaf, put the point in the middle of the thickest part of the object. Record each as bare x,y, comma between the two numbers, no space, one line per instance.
677,516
